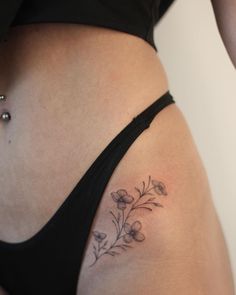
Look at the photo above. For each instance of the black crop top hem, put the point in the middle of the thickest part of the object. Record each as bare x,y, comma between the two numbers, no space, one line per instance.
146,35
135,17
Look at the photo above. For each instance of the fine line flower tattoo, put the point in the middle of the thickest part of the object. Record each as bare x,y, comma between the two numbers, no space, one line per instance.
127,232
133,232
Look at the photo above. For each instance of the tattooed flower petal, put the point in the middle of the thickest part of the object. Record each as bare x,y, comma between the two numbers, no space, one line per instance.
128,199
95,233
121,197
127,227
127,238
102,236
136,226
115,196
121,205
122,192
139,237
133,232
159,187
99,237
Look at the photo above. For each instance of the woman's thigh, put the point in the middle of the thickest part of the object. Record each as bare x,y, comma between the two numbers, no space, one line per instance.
171,241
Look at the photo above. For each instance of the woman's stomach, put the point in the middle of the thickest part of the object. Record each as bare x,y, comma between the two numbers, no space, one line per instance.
70,89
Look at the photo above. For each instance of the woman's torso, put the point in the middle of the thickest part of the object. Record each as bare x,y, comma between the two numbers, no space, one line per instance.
70,89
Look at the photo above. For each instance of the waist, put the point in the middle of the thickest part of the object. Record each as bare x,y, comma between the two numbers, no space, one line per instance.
63,71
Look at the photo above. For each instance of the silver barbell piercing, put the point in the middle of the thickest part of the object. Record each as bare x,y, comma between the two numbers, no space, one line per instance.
2,97
5,116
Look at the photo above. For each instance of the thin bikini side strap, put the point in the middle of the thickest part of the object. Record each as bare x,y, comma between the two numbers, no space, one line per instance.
96,185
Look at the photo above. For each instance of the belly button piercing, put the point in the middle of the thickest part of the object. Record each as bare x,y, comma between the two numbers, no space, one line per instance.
2,97
5,116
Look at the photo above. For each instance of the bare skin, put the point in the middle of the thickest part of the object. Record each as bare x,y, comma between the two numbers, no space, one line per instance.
79,81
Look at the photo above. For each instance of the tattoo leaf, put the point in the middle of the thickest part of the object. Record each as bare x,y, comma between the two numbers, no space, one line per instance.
143,187
138,191
128,246
118,217
105,243
151,199
115,226
148,194
158,205
112,253
121,246
139,207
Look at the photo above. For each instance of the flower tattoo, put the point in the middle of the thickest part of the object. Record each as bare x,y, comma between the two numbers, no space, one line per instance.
159,187
126,232
99,237
133,232
122,198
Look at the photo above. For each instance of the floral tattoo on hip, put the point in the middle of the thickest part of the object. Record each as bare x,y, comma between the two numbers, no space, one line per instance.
126,232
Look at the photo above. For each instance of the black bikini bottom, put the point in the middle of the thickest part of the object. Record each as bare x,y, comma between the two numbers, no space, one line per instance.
49,262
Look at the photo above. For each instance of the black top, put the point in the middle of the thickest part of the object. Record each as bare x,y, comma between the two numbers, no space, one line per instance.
137,17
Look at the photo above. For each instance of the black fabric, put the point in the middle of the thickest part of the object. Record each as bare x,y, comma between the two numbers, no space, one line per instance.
8,10
137,17
164,6
49,262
